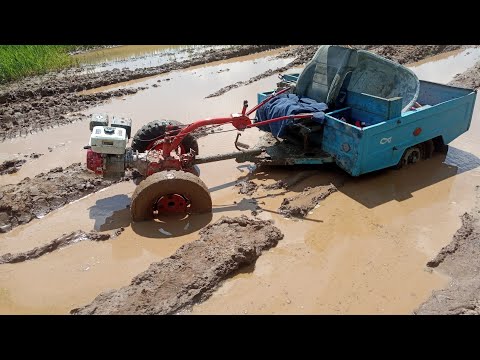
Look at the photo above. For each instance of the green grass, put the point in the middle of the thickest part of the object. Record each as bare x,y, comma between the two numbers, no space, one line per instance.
18,61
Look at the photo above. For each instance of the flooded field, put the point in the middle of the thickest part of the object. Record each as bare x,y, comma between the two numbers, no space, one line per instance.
363,250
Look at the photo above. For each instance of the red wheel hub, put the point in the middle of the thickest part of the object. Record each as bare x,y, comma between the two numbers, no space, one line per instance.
172,203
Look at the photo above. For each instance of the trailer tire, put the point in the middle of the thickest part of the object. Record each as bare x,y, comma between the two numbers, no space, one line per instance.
443,149
150,191
440,146
156,129
416,153
428,149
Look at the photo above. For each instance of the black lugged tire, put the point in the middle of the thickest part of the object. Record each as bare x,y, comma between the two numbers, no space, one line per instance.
155,129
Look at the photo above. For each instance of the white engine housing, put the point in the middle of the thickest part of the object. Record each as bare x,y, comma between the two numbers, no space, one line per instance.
108,140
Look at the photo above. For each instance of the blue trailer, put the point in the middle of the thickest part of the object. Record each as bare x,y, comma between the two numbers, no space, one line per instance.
370,132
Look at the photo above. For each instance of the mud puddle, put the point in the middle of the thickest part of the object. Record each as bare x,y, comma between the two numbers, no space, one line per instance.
131,56
459,259
192,273
134,57
443,68
355,253
36,103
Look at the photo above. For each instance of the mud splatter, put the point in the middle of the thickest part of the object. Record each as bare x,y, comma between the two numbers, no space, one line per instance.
193,272
300,205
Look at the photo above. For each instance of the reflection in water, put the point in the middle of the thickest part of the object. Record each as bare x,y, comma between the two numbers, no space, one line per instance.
139,56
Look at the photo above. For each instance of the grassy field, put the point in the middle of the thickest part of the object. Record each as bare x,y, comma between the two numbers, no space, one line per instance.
17,61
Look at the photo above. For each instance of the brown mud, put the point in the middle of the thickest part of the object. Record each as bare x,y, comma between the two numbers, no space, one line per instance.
11,166
246,187
461,261
402,54
37,103
58,243
290,180
193,272
469,79
301,204
35,197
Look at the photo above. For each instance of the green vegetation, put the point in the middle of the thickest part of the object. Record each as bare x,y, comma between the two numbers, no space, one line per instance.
17,61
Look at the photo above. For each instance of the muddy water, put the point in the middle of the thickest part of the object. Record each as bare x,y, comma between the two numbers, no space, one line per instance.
363,250
138,56
443,67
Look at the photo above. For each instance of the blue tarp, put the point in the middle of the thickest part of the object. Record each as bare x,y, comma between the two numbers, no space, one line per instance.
288,104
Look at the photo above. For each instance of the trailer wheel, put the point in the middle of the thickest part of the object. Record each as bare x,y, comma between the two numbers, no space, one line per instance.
440,146
410,156
416,153
168,192
428,149
156,129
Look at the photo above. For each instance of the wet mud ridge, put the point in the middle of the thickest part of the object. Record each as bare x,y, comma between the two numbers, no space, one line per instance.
58,243
37,103
193,272
461,260
402,54
470,79
11,166
300,205
35,197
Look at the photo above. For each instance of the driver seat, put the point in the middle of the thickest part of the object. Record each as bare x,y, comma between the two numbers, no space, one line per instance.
327,74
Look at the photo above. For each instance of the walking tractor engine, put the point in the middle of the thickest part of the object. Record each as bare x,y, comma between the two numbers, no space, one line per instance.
108,146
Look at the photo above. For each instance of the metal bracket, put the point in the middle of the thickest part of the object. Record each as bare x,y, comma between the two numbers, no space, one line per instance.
238,145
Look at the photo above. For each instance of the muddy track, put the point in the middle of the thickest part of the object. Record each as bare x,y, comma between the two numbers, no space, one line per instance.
58,243
35,197
37,103
193,272
402,54
460,260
